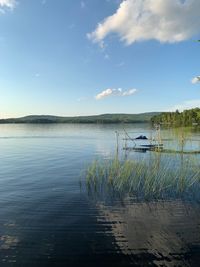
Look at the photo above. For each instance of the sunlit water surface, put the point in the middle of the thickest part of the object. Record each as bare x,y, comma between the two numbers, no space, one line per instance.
47,217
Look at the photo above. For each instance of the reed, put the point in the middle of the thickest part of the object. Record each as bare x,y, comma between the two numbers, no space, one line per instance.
156,178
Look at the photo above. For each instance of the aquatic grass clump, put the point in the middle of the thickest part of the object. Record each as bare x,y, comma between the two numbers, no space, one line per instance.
156,179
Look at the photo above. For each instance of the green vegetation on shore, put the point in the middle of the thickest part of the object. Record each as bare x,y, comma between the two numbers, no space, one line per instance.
185,118
104,118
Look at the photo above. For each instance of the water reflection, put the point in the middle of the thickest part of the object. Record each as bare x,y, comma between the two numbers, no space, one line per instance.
151,204
47,219
155,233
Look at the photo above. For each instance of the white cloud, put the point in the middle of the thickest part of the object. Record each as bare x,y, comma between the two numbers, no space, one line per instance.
8,4
196,80
129,92
188,104
115,92
162,20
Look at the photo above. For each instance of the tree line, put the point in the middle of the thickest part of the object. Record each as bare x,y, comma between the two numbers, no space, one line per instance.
185,118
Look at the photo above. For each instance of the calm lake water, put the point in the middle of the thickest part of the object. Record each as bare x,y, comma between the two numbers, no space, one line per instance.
47,217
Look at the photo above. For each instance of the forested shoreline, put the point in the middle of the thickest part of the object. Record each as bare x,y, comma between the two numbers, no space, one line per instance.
104,118
185,118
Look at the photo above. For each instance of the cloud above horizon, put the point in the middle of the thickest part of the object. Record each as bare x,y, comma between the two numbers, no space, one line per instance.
115,92
8,4
140,20
188,104
196,80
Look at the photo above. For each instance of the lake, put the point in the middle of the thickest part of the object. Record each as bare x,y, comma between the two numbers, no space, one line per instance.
48,218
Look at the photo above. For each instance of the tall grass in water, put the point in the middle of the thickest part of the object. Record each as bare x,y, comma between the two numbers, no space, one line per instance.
155,178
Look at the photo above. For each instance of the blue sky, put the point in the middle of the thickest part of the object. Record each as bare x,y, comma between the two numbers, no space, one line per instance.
55,59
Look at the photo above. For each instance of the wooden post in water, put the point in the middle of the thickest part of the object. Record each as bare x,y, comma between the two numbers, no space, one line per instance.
182,140
117,145
159,136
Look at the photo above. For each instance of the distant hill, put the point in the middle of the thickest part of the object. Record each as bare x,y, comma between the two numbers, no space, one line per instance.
104,118
186,118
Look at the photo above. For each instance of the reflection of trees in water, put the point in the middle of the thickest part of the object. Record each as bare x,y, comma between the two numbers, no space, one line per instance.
150,207
7,242
181,139
167,230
